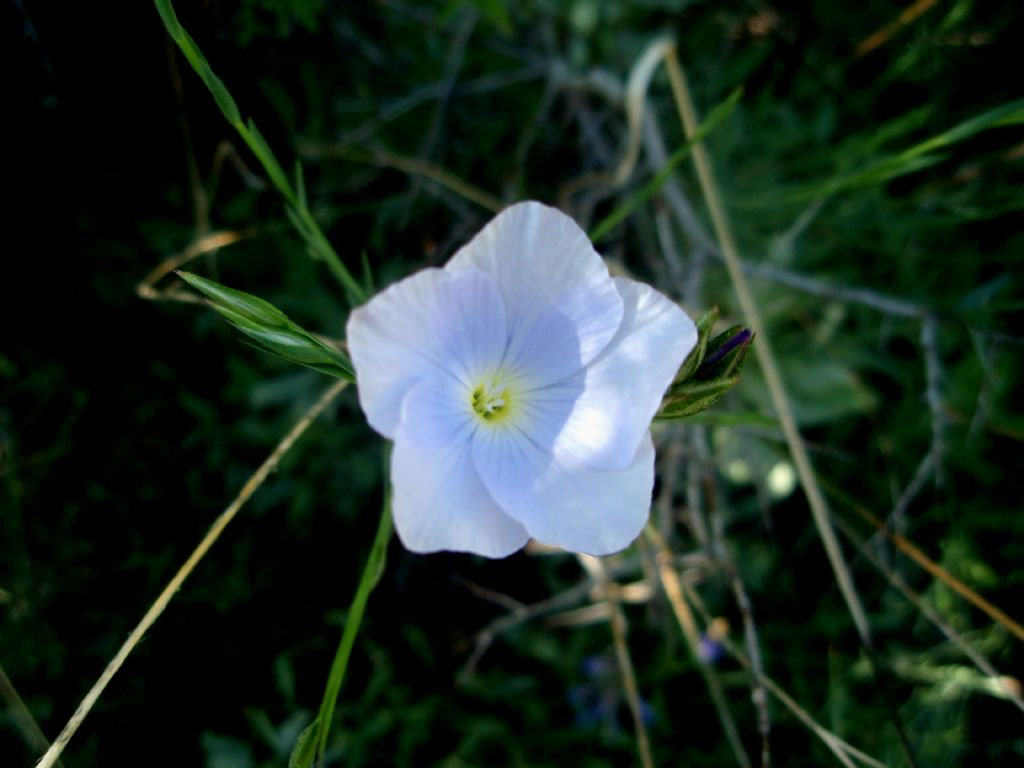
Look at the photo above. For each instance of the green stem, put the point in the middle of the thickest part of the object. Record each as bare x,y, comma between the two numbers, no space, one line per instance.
371,575
303,219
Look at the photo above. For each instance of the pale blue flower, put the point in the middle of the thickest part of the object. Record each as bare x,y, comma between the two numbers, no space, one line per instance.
518,384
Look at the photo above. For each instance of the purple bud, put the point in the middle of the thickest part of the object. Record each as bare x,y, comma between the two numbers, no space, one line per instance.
740,338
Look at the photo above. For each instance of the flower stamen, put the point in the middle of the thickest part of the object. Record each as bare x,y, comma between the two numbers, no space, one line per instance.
490,401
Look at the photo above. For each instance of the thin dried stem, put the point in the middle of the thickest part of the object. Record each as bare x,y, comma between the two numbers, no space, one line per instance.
765,356
675,590
933,390
507,602
524,613
841,749
597,569
912,551
897,518
914,487
669,470
776,387
486,636
694,481
723,557
671,584
438,175
686,216
1010,687
757,684
634,101
453,66
880,302
387,112
206,244
673,194
252,484
880,37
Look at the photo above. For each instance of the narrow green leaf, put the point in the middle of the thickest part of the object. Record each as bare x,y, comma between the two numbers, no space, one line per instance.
252,136
888,169
298,209
214,84
301,228
715,117
300,184
1011,113
198,61
910,160
169,18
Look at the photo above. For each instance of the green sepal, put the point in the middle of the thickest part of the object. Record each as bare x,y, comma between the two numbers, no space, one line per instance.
271,330
305,747
696,356
709,371
328,369
694,397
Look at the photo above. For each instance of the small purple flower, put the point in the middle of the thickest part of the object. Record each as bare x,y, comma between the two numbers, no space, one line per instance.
598,700
709,651
712,646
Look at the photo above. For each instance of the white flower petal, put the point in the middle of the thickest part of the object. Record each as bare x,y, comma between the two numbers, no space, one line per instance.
561,304
614,399
519,384
439,501
582,510
435,321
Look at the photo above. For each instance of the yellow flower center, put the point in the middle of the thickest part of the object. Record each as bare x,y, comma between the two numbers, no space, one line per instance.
490,400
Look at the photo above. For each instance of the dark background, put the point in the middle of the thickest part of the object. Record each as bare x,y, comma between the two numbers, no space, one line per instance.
126,426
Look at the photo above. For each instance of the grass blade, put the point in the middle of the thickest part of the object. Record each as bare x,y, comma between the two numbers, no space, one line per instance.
250,134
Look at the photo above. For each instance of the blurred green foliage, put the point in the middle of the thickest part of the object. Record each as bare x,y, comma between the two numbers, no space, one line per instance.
888,268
